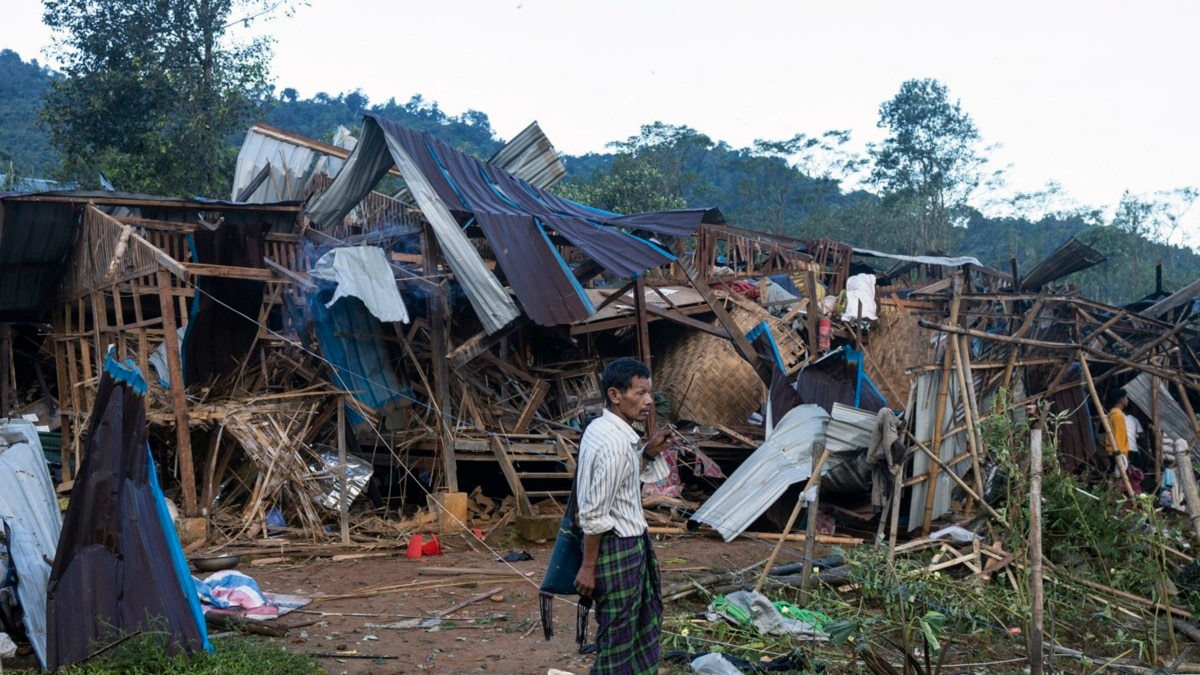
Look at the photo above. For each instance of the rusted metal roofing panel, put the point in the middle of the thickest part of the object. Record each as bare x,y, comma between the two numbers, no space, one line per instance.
1072,256
531,157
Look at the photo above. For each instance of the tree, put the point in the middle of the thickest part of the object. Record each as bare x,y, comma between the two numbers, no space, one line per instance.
155,90
631,185
931,155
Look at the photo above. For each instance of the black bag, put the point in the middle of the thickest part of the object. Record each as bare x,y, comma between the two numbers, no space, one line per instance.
565,561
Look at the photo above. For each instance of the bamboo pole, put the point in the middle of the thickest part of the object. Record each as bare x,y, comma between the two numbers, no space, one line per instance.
810,533
961,483
939,413
1036,591
1156,428
966,387
816,475
343,479
1030,319
1091,385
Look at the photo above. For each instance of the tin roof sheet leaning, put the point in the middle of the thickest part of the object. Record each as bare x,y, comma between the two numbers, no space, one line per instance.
784,458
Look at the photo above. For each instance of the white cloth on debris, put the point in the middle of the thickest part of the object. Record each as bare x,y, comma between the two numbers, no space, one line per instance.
766,619
860,288
363,272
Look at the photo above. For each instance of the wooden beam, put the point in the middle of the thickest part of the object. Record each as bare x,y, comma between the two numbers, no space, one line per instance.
1172,301
536,396
439,341
302,280
229,272
643,338
740,343
183,436
481,342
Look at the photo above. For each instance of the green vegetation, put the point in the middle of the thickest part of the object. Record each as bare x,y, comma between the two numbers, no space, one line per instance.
163,109
890,612
23,149
145,655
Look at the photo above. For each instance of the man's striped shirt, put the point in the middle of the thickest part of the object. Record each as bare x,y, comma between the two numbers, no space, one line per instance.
608,485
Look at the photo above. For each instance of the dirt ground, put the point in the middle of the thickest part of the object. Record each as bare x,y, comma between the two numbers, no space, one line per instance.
501,634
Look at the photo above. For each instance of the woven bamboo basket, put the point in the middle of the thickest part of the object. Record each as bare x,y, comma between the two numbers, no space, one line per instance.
704,378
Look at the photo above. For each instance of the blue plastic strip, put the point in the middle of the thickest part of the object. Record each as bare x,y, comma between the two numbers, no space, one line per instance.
861,379
764,329
446,175
587,302
126,372
178,562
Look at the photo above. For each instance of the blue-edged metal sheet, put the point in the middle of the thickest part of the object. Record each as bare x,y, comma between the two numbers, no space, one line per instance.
349,337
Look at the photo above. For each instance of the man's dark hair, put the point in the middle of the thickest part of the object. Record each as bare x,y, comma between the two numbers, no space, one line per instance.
1115,396
620,374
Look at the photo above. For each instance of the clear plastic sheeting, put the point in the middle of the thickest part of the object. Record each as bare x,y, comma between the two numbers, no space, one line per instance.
328,475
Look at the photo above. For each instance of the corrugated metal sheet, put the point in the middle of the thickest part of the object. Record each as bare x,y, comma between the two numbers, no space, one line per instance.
349,337
290,166
785,458
531,157
849,429
119,568
1073,256
35,239
1172,418
922,412
363,272
516,217
29,506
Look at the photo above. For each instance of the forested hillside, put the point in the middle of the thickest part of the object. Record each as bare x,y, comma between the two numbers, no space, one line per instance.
795,186
24,149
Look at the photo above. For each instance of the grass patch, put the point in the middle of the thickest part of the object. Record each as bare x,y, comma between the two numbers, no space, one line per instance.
146,655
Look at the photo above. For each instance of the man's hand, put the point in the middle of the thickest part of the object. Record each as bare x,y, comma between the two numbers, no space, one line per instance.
585,581
665,437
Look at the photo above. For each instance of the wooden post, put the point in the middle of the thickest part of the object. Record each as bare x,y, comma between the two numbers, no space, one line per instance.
643,337
1091,384
817,447
187,478
966,385
939,414
812,316
810,539
5,365
894,524
344,481
439,340
1036,596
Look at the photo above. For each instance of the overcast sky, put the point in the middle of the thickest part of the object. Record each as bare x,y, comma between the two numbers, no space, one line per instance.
1098,95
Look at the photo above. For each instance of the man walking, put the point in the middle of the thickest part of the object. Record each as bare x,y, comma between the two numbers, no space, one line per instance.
619,570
